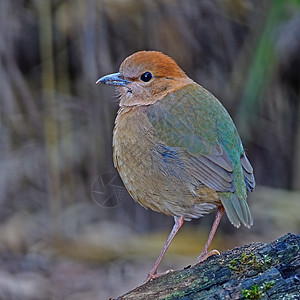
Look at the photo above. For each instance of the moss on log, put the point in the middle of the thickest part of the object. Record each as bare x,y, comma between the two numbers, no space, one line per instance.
255,271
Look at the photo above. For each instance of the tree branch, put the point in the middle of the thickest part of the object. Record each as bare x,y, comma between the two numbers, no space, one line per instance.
255,271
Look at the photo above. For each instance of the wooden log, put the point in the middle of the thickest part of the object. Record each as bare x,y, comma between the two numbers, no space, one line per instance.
255,271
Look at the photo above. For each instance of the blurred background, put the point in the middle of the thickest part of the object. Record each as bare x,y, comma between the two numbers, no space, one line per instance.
68,228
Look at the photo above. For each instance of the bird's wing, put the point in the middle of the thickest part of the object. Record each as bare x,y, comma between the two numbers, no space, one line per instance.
213,170
182,126
248,173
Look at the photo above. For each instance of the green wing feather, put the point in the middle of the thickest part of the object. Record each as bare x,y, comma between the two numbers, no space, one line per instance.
194,123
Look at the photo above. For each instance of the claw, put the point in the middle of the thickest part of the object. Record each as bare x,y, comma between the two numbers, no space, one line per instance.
204,255
155,275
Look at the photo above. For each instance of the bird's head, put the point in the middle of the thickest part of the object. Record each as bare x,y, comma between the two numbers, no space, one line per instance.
145,77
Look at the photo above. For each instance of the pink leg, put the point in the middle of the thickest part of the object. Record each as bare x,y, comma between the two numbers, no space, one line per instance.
205,254
178,223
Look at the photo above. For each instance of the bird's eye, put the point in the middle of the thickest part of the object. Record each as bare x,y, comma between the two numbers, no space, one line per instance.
147,76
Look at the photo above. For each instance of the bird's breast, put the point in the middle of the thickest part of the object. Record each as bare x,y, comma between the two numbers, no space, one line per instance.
132,140
133,146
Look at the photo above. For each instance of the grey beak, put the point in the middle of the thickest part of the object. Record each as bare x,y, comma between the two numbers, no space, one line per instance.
113,79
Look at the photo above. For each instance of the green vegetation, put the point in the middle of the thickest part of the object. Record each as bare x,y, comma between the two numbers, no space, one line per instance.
257,292
248,261
253,293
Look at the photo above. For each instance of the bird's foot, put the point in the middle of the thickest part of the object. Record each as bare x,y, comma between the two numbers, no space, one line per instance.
152,275
205,255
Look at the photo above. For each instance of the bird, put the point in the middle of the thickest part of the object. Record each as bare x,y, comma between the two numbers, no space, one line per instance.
176,148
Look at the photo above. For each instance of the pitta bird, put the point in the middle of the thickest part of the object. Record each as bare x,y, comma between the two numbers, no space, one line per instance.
176,148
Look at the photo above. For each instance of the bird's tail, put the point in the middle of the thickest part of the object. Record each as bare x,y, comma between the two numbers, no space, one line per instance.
237,210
